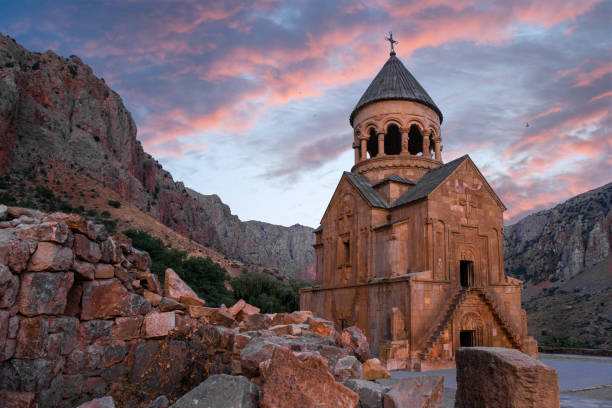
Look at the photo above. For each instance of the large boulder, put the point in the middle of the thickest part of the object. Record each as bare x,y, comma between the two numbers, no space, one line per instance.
354,339
347,367
221,391
371,393
416,392
502,377
175,288
289,382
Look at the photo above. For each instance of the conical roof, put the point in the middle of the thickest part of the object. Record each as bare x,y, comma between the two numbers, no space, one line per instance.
394,81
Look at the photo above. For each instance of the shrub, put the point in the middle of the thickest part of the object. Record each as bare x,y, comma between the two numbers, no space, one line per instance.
269,294
105,214
113,203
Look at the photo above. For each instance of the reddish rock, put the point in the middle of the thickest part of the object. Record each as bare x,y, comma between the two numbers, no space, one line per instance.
104,402
168,305
237,307
4,327
240,342
15,254
94,330
354,339
86,249
373,369
109,298
127,328
321,326
346,368
65,330
221,318
52,231
9,287
190,301
18,399
154,298
256,322
51,257
297,317
175,288
32,337
255,352
417,392
159,324
73,221
510,378
139,259
154,285
247,310
121,273
288,382
286,330
84,270
73,300
44,292
104,271
111,251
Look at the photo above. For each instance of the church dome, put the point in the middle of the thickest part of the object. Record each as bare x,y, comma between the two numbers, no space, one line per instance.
395,82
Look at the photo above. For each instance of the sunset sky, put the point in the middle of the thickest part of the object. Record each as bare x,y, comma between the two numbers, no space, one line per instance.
251,100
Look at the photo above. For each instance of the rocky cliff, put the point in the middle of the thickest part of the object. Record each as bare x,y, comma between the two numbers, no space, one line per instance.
58,119
563,255
562,242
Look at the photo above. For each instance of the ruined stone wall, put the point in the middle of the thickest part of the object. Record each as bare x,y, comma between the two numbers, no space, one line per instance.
81,317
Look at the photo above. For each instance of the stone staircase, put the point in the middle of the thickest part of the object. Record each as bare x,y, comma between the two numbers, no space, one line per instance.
500,316
444,321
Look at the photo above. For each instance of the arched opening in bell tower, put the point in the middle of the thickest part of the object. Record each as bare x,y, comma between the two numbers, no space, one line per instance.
393,140
372,144
415,141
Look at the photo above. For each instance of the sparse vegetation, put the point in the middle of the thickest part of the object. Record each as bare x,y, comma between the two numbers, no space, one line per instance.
269,294
114,204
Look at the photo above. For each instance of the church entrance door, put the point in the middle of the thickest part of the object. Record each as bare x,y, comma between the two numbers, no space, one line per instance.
467,338
466,273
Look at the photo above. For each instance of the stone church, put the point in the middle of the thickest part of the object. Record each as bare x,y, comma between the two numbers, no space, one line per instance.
410,248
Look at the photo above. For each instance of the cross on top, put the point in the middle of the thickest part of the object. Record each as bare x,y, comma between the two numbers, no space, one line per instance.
391,41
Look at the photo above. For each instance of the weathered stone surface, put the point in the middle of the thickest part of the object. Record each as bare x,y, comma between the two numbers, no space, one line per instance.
346,368
256,351
9,287
111,251
237,307
154,298
255,322
44,292
159,402
126,328
354,339
51,257
64,330
139,259
241,309
221,391
159,324
221,318
86,249
52,231
175,288
372,369
297,317
370,393
153,283
104,402
190,301
104,271
18,399
4,327
109,298
418,392
168,305
93,330
74,221
286,329
14,253
288,382
510,378
84,270
3,212
32,337
321,326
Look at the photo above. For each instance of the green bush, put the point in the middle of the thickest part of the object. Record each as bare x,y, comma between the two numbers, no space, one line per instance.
113,203
269,294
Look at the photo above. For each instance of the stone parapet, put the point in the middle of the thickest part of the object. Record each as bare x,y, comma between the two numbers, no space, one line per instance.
408,167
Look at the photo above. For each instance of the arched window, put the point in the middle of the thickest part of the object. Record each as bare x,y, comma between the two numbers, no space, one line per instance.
432,144
415,144
373,143
393,140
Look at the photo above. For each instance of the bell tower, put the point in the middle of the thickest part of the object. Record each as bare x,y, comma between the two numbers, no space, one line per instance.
396,126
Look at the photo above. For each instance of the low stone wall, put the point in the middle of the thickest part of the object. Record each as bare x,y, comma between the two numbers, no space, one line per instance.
581,352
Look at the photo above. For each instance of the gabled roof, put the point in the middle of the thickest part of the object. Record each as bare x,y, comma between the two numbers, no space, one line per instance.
426,184
365,188
394,81
396,178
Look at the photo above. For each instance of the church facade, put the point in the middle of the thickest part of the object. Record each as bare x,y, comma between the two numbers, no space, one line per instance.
410,248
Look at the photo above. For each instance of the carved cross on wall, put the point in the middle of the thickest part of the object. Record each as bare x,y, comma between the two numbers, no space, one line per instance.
467,203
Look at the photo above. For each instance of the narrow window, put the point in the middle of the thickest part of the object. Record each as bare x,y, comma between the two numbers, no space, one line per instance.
415,143
347,253
372,144
466,273
393,140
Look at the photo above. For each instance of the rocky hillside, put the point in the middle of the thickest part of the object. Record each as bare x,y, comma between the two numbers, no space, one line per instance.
60,124
563,255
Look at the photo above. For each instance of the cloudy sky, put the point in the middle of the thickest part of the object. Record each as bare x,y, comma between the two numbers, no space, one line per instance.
250,99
